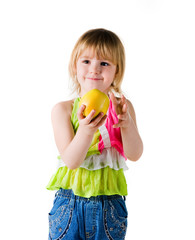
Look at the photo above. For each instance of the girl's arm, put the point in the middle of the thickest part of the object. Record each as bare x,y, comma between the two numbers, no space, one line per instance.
73,147
132,143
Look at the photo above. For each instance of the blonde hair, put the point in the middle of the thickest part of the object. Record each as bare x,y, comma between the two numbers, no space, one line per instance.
105,44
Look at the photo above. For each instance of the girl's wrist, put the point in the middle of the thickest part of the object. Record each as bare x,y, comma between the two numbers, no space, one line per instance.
83,132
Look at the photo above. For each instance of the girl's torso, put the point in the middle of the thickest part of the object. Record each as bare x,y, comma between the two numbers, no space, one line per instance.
102,172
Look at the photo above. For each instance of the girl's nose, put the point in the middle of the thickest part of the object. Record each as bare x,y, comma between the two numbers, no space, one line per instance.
95,68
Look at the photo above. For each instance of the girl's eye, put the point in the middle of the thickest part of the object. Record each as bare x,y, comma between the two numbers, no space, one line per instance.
104,64
86,61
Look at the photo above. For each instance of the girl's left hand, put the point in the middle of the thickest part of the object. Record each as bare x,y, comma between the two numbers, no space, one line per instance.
122,111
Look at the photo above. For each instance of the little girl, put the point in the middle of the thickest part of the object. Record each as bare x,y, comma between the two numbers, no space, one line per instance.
90,201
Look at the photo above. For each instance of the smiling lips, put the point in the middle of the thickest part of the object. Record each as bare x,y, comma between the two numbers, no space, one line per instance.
94,79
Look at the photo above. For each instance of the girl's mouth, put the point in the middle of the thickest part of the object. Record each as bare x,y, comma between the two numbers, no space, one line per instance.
95,79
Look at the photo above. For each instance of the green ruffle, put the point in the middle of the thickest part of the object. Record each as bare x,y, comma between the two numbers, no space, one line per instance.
85,183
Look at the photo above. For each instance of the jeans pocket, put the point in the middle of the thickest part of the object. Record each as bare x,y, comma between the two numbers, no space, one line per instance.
60,217
115,219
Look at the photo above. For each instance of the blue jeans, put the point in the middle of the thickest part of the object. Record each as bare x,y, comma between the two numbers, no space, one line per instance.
95,218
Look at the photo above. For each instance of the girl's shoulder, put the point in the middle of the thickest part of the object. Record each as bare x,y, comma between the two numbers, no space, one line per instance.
63,108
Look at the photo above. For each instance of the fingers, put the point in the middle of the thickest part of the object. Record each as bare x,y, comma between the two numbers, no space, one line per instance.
98,120
81,116
120,106
114,101
124,108
124,104
120,124
122,117
90,117
112,97
80,112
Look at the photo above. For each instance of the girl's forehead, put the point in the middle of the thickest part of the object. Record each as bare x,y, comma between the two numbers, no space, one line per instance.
92,53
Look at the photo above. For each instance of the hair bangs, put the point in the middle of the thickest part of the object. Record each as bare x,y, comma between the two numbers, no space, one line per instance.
102,50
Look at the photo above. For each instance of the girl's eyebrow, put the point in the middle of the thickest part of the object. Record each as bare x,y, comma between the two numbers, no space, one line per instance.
102,59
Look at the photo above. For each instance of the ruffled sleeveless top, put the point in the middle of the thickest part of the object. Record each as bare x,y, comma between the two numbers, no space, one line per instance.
102,171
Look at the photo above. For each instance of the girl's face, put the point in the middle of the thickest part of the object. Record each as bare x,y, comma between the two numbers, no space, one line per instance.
94,73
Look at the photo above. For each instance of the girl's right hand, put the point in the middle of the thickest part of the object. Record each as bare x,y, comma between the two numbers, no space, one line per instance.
88,124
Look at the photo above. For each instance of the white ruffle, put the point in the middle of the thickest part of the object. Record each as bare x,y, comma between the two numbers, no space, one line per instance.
109,157
105,136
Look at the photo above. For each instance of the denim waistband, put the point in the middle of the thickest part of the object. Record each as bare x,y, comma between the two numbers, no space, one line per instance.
68,193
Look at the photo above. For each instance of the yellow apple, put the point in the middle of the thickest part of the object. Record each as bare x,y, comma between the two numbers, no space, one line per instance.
95,99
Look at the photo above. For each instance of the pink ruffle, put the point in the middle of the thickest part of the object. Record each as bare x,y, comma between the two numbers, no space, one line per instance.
114,133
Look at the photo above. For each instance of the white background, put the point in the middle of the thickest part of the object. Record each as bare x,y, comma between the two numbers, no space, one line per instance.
36,40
